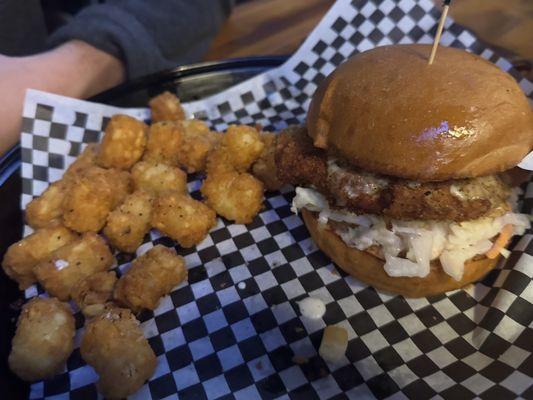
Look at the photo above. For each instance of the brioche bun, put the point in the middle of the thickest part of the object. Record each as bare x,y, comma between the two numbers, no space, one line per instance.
387,111
369,269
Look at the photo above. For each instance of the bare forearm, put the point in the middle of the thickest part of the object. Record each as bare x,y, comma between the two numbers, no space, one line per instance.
73,69
77,69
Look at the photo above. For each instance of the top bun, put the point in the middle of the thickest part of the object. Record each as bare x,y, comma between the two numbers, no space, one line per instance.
387,111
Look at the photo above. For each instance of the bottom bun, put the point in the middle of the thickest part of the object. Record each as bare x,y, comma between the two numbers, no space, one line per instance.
369,269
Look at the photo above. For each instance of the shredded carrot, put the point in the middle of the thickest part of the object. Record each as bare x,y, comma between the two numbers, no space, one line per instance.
500,242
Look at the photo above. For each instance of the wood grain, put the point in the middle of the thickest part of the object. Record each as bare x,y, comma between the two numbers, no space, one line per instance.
261,27
507,24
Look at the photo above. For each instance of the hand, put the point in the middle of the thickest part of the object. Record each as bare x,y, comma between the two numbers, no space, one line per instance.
73,69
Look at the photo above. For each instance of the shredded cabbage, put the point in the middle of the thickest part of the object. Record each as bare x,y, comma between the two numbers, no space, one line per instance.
452,243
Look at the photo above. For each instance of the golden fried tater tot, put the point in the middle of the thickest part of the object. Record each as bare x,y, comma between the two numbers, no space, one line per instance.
197,143
73,262
164,143
193,154
43,341
166,107
265,167
119,183
243,145
156,178
151,276
114,345
47,209
182,218
86,159
123,143
215,138
21,257
128,223
195,127
86,206
92,195
235,196
91,294
218,161
231,192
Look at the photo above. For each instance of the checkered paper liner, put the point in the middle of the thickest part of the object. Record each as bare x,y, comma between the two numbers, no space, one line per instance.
232,331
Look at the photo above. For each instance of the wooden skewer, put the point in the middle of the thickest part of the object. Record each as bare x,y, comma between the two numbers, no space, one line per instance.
439,31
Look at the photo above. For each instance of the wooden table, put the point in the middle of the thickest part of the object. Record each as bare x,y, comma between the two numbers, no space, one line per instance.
267,27
261,27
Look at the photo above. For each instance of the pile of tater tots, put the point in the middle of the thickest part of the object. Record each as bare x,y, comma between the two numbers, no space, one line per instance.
107,202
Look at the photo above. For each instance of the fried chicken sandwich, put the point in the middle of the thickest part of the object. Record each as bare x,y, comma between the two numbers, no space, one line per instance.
398,171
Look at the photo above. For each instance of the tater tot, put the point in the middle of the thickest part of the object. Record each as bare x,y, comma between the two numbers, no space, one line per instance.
47,209
215,138
128,223
243,144
197,143
119,183
86,159
123,143
86,206
156,178
265,167
182,218
43,341
194,153
195,127
151,276
164,143
166,107
114,345
21,257
73,262
235,196
92,195
218,161
92,293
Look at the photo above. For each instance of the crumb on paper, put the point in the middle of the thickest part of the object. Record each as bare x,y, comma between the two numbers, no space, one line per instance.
334,343
312,307
299,360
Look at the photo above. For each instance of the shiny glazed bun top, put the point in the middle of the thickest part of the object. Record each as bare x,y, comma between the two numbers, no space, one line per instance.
387,111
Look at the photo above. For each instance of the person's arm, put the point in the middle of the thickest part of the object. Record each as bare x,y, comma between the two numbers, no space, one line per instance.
105,44
148,36
74,69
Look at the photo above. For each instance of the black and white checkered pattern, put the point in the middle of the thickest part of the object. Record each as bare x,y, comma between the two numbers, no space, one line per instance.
233,330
